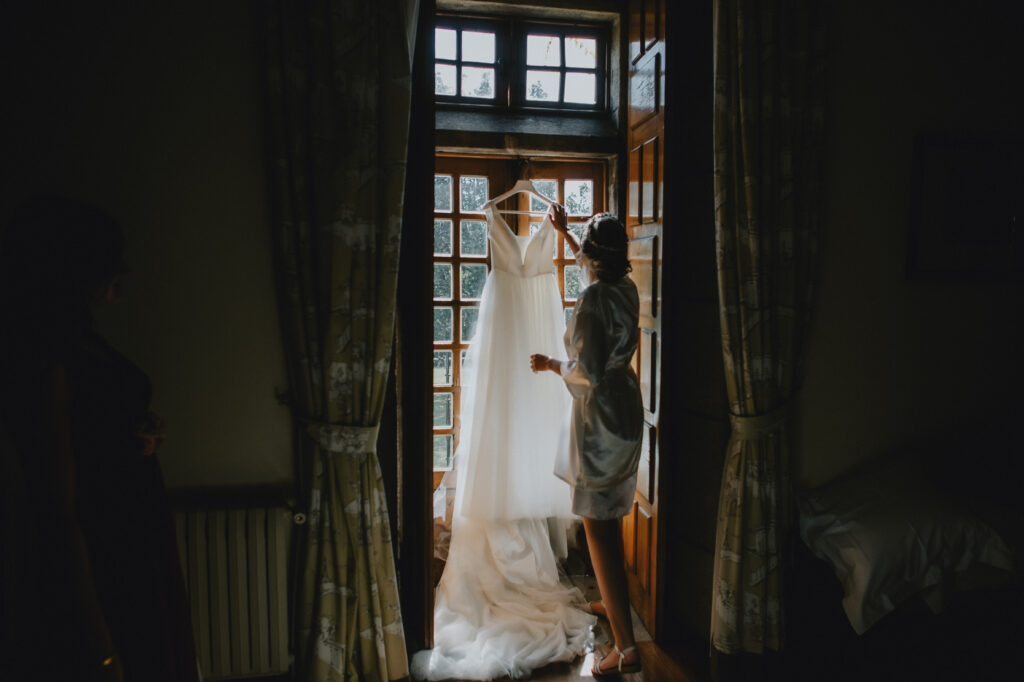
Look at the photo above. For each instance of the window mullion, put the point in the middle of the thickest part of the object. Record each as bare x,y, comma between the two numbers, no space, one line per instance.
505,66
561,68
458,61
517,55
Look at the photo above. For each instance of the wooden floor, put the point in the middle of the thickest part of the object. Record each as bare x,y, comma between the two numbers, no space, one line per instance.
658,666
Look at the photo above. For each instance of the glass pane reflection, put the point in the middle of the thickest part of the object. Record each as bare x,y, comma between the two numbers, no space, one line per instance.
442,452
442,368
443,193
443,325
442,237
443,410
444,79
469,317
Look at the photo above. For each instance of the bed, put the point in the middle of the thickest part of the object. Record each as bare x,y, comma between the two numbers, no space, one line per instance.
907,569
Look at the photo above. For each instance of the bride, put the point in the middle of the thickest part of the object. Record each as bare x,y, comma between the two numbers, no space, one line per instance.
501,606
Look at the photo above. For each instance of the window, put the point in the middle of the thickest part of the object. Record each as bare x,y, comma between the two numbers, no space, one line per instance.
461,260
561,67
465,62
460,269
519,65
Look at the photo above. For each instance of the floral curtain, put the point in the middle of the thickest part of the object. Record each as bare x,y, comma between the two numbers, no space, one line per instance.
768,129
339,77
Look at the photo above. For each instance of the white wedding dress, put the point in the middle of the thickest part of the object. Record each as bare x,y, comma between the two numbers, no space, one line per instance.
500,607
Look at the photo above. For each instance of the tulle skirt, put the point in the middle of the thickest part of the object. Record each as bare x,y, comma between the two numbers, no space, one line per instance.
502,606
514,423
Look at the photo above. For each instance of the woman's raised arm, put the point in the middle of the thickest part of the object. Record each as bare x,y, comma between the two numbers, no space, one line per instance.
561,223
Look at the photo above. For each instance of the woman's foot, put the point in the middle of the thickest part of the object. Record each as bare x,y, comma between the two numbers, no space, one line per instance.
597,608
617,663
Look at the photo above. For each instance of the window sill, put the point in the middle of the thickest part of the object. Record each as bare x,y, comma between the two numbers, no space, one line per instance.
466,131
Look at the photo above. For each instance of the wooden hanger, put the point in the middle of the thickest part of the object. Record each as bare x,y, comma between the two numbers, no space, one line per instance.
520,186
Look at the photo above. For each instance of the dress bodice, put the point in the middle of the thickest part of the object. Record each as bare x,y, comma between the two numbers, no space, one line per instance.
527,256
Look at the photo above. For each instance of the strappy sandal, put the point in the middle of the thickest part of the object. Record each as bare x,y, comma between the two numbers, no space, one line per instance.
597,672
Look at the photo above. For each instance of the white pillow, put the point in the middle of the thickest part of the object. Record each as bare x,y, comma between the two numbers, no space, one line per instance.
888,537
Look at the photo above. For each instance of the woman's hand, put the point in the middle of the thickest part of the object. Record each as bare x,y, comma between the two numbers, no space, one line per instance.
152,431
561,224
539,363
557,215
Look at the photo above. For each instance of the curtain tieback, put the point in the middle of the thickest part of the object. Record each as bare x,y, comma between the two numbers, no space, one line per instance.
346,438
759,425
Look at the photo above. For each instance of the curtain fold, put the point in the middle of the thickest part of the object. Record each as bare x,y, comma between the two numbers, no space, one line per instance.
339,88
768,135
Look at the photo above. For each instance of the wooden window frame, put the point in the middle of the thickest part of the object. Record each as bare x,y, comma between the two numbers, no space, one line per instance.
510,63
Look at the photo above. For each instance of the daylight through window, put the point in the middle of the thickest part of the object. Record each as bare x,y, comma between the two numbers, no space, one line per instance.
519,65
461,261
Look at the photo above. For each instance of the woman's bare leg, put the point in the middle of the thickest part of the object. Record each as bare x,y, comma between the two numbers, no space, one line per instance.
605,543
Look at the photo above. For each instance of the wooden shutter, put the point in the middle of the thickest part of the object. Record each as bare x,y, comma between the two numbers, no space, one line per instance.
645,201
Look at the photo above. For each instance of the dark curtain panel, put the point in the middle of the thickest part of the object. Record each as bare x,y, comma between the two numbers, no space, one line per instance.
338,116
768,130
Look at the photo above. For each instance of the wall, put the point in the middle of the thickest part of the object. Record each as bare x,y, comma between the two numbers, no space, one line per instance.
893,360
155,114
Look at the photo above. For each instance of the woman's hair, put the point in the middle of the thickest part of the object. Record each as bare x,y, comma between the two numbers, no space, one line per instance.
605,243
55,254
64,247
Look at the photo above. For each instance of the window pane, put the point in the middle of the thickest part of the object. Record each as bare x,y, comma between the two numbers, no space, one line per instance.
543,51
580,53
580,88
579,197
542,86
473,278
537,204
444,43
442,368
469,316
473,238
577,230
573,282
443,193
444,79
477,47
442,452
442,237
477,82
443,410
442,280
568,315
472,194
443,325
533,228
548,188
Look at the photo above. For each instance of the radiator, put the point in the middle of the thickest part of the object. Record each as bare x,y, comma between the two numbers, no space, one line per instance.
234,561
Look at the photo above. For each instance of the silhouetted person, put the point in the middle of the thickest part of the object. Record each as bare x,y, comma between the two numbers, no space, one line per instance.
607,416
92,582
